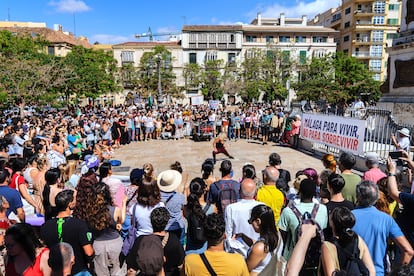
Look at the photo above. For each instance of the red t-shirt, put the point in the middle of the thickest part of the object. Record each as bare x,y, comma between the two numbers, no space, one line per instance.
16,179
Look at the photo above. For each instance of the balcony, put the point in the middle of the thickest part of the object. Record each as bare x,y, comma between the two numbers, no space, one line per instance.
363,12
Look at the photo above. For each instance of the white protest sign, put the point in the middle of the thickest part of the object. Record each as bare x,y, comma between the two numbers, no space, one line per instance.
347,134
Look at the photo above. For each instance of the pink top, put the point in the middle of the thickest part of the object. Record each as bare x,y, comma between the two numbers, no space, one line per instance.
373,174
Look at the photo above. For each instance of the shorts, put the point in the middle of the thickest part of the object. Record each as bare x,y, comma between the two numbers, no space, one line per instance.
247,124
149,129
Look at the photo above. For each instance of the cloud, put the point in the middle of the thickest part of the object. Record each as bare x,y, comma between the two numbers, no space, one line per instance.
232,23
300,8
70,6
111,39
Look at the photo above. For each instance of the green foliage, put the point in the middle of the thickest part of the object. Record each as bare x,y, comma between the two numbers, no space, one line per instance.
29,74
335,78
94,70
148,73
267,72
192,76
212,80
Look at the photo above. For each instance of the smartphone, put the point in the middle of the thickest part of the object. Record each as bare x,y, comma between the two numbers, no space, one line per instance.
395,154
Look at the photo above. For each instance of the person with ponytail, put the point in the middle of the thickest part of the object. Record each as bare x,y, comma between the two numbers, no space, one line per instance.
262,250
342,220
51,189
195,212
207,170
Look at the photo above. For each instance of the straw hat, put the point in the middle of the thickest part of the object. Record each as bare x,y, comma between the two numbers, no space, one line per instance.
169,180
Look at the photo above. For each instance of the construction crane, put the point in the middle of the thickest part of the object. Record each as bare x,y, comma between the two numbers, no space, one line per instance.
150,35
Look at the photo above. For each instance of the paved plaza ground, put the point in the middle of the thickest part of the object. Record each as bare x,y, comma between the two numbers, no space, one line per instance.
162,153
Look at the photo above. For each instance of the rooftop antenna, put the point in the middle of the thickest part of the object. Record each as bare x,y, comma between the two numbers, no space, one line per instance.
8,14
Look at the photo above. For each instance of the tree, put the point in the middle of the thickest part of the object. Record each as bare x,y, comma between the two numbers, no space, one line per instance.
27,73
276,71
192,76
95,71
354,78
336,78
212,80
252,81
148,74
316,80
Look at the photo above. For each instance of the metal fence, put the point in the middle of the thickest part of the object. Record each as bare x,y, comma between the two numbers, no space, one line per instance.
380,124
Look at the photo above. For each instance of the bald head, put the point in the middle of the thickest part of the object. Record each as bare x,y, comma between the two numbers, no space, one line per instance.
270,175
248,189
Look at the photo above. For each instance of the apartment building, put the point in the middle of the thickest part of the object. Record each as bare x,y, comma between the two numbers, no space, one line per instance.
232,43
366,29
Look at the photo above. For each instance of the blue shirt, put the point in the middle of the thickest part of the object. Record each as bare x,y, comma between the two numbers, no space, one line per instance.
375,227
174,205
13,197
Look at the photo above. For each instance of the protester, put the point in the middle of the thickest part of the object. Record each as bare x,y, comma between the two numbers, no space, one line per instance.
370,220
221,262
342,220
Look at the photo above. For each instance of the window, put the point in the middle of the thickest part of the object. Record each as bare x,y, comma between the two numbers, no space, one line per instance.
232,38
392,36
320,39
346,38
300,39
302,57
231,59
269,39
348,10
286,56
127,56
377,77
336,17
251,38
192,57
379,7
377,36
347,24
211,55
284,38
392,21
270,55
394,7
376,51
375,65
378,20
51,50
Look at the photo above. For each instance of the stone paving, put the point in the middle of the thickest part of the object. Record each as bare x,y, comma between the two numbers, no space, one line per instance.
162,153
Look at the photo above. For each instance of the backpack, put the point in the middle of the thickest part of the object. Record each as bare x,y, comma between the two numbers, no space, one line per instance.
349,261
196,229
313,252
226,195
130,238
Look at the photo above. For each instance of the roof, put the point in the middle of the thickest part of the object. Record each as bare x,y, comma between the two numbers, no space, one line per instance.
148,44
289,29
215,28
50,35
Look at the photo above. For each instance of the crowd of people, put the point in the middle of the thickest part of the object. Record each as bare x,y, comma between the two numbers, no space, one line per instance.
62,212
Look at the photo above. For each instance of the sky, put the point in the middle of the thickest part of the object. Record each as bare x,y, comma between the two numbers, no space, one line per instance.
118,21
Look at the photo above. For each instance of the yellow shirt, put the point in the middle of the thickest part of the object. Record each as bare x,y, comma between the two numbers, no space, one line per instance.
223,263
272,197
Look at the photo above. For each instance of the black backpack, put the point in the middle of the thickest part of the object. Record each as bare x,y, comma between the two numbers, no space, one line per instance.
349,260
196,229
313,252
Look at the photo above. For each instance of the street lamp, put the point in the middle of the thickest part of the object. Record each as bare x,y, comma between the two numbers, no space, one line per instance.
160,98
